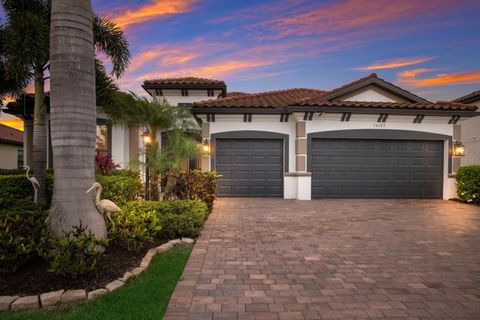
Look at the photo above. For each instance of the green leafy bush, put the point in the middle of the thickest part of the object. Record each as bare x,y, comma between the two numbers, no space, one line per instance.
468,184
16,186
177,218
76,253
133,226
190,185
23,233
121,187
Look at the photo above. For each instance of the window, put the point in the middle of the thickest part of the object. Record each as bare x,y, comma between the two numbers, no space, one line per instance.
210,92
184,92
20,158
102,138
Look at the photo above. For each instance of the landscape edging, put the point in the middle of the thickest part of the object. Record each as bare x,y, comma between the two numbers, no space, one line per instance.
65,297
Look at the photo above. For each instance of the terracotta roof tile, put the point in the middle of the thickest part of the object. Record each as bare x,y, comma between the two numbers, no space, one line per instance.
440,105
270,99
185,80
471,97
10,135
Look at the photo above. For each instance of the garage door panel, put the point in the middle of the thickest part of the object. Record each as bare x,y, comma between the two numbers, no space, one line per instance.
250,167
378,169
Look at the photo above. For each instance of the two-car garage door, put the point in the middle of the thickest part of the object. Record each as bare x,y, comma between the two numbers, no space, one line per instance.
375,168
341,168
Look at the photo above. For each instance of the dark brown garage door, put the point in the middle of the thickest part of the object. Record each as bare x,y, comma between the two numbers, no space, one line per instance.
250,167
366,168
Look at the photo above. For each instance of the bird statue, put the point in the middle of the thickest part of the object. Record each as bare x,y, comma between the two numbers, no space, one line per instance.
104,206
34,183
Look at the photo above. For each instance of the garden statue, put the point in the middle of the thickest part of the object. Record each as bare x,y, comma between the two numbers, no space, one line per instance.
34,183
104,206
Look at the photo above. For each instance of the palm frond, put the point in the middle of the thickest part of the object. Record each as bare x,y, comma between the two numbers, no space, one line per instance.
110,40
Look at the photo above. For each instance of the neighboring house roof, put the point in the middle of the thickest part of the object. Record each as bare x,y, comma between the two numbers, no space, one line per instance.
236,94
270,99
373,79
469,98
186,82
10,135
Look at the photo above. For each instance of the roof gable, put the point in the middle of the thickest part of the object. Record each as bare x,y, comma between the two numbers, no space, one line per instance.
348,90
469,98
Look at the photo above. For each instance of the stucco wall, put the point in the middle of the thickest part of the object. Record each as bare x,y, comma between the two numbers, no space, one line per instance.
372,93
8,156
471,139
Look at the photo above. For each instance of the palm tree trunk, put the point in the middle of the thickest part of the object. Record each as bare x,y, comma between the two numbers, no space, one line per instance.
40,137
73,117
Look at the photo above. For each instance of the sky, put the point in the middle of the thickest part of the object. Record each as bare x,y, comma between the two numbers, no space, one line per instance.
431,48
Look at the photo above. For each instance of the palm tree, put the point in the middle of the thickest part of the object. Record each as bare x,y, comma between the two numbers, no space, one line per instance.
26,50
73,116
156,116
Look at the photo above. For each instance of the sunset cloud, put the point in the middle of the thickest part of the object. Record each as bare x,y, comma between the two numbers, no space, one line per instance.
158,56
153,9
409,77
13,122
395,63
342,16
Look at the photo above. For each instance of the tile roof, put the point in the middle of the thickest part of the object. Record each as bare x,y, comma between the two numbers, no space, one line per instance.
185,81
236,94
439,105
471,97
10,135
270,99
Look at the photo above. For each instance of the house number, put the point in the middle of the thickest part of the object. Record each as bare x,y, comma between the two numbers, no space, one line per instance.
379,125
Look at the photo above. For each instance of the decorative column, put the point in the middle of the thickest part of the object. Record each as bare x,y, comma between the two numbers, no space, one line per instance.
300,147
206,157
133,143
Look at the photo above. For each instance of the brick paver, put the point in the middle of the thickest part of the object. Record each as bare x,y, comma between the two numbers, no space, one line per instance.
333,259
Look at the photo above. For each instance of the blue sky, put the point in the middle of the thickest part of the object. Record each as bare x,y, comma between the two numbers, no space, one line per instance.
431,48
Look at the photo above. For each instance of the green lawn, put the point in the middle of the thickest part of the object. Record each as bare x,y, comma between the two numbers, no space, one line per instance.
145,297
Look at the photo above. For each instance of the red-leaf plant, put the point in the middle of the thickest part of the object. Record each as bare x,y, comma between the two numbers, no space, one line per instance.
104,163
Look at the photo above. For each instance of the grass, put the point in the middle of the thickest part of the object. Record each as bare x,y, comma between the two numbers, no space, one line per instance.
144,297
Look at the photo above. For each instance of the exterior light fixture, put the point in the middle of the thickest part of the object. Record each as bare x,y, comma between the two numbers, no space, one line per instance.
206,146
147,139
458,149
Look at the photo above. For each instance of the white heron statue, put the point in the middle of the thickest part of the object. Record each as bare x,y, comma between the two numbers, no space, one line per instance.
34,183
104,206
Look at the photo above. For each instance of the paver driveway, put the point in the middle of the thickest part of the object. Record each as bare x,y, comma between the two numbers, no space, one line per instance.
329,259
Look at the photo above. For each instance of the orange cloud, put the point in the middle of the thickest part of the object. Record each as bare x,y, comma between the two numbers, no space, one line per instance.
443,79
14,123
348,15
413,73
217,69
160,56
153,10
395,63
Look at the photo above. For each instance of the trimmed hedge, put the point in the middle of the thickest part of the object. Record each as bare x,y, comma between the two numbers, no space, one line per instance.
23,234
121,187
468,184
190,185
143,221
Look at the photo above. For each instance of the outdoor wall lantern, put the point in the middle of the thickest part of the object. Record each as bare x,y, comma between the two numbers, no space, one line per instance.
147,139
206,146
458,149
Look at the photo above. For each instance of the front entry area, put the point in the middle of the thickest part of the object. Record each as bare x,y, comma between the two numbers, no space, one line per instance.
249,167
376,168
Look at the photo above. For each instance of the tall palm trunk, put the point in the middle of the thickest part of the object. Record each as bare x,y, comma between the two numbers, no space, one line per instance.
40,136
73,116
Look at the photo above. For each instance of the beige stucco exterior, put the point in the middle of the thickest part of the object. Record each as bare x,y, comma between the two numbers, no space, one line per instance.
8,156
471,139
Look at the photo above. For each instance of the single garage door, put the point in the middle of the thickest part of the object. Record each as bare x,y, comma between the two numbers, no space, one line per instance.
250,167
366,168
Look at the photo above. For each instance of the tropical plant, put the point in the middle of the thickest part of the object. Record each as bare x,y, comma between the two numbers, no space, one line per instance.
25,51
73,117
104,164
157,117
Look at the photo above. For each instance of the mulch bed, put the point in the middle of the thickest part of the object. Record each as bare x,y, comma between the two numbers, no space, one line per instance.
32,278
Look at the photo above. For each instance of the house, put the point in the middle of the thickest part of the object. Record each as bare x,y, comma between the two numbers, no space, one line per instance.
367,139
470,133
11,148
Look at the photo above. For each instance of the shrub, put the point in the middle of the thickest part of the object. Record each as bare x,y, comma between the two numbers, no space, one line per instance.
177,218
23,233
16,186
190,185
468,184
76,253
104,164
121,187
134,226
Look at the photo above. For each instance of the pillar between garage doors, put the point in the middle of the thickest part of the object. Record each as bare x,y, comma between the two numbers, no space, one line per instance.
298,184
300,147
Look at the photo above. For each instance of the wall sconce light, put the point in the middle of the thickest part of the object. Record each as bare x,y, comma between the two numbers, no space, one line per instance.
458,149
147,139
206,146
